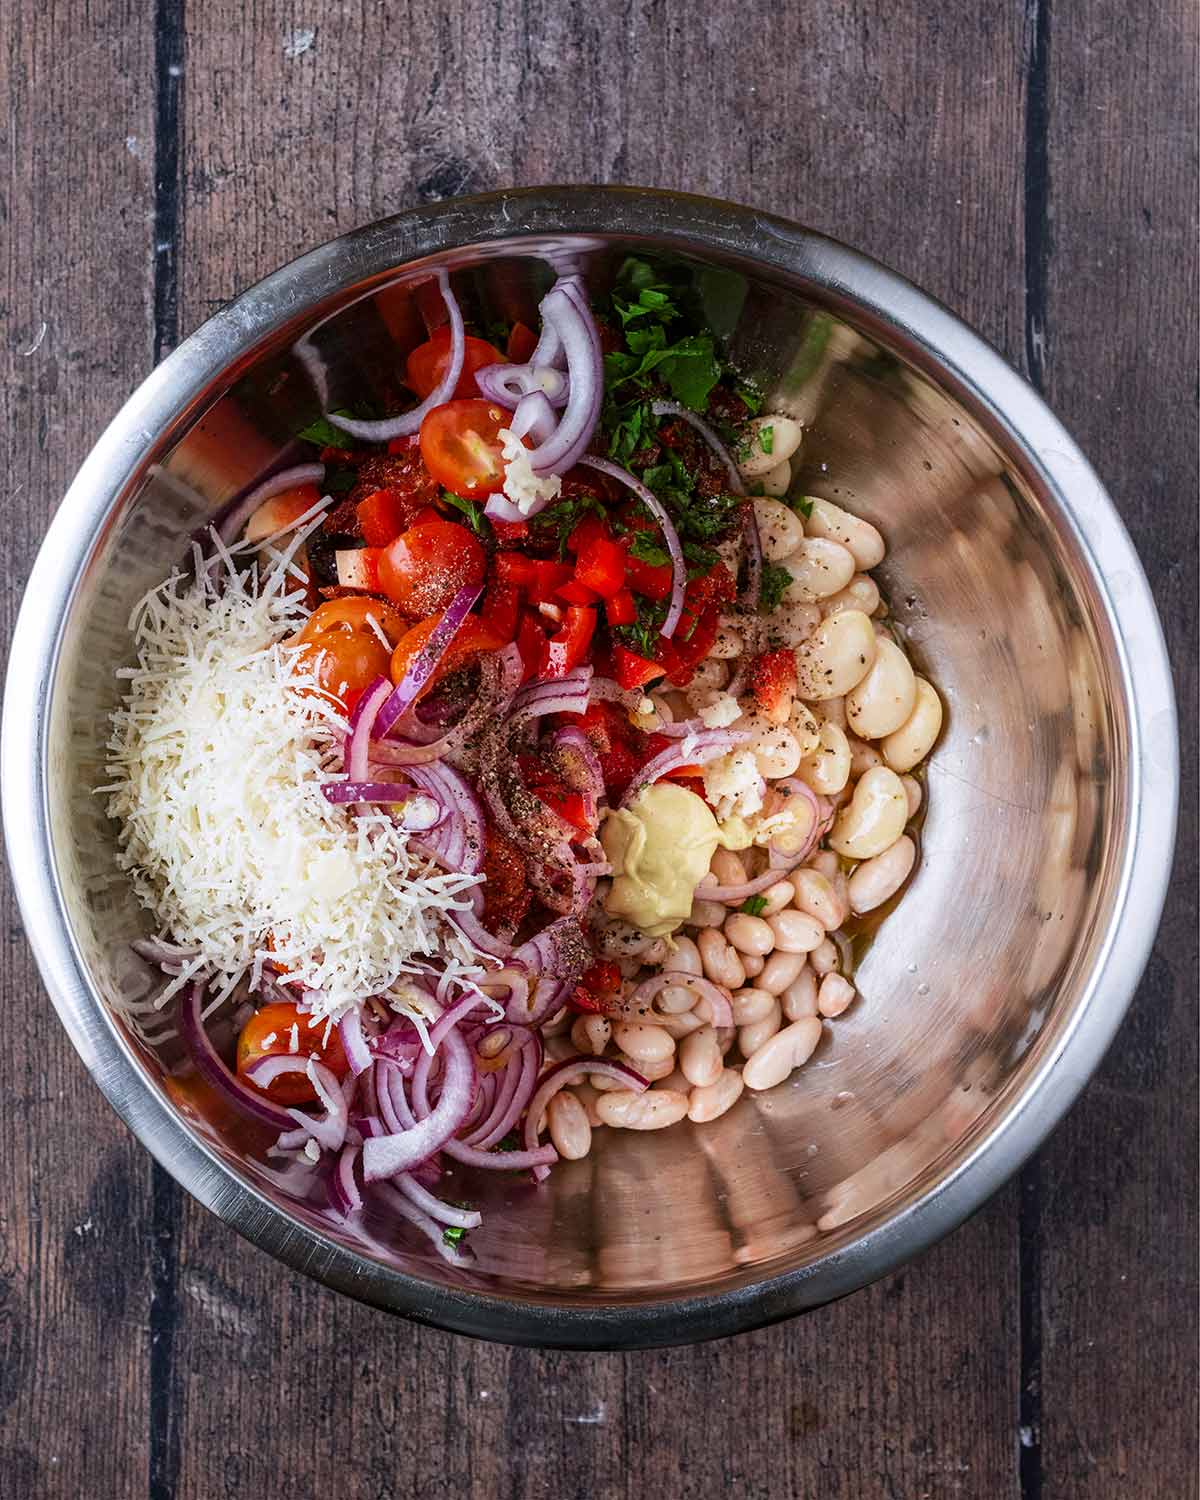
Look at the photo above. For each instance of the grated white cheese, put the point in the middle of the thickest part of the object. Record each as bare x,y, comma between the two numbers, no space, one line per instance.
734,786
722,711
217,761
521,485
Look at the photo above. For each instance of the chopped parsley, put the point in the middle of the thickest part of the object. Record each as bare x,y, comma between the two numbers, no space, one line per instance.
766,440
689,366
775,580
699,519
751,397
472,510
453,1235
651,302
754,906
557,522
630,426
324,434
643,546
802,504
642,636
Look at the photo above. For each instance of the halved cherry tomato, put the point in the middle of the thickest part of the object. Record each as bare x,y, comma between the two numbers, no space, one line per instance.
344,648
425,366
633,671
501,610
569,644
475,636
268,1033
461,446
423,569
621,609
522,341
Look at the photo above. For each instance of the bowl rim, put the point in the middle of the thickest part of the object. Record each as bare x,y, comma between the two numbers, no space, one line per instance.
973,371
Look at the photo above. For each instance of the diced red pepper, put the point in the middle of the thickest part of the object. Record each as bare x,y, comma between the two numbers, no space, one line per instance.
772,680
426,513
507,532
383,515
404,444
656,744
601,566
651,580
575,592
522,341
537,578
501,609
358,568
590,529
692,642
633,671
621,609
568,646
531,642
598,989
572,807
715,586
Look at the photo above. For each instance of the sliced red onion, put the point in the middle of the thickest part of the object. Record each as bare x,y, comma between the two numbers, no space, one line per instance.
288,479
443,1213
556,696
410,421
508,385
656,508
794,787
697,750
344,1195
500,508
394,1109
246,1100
329,1132
500,1161
435,1232
717,997
354,1041
534,418
709,890
424,665
520,1080
681,729
557,1077
478,936
605,690
549,348
384,1156
365,718
448,787
499,678
420,813
580,337
754,557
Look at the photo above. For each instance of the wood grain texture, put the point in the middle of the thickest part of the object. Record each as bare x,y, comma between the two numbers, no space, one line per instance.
1119,1180
75,262
902,130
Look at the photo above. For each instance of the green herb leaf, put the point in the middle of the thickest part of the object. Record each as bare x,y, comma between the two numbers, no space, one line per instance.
775,580
642,636
643,546
752,397
472,510
557,522
766,440
754,906
453,1234
802,504
324,434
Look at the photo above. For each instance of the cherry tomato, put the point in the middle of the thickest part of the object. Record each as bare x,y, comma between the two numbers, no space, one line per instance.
423,569
268,1033
461,446
522,341
427,363
345,650
283,509
475,636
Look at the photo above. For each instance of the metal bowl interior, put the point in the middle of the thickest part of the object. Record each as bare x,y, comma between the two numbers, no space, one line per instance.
988,992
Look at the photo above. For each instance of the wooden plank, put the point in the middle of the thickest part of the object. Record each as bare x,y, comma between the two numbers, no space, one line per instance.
904,138
1118,1182
75,303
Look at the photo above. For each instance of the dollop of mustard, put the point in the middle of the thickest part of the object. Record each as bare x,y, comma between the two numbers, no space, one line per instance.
660,848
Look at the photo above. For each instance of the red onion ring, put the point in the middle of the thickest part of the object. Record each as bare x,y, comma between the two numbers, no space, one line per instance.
288,479
734,893
434,1231
442,1213
572,320
329,1132
410,421
511,1102
500,1161
424,664
500,676
362,725
675,409
344,1195
509,385
534,418
556,1078
707,745
478,936
384,1156
792,786
716,996
453,791
656,508
210,1067
354,1041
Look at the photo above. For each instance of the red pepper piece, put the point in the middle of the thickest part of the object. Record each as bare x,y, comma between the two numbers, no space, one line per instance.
621,609
632,670
568,647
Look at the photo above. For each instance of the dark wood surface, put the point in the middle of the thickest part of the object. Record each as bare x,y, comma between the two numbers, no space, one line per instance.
1032,164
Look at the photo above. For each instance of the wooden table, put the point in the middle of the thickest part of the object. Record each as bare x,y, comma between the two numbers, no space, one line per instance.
1033,165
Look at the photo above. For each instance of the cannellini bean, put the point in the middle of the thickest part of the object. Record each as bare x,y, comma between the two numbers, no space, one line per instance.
775,748
862,756
912,787
591,1034
825,862
604,1083
656,954
874,818
674,1080
686,956
617,939
642,1042
681,1024
796,931
827,768
818,569
911,743
862,592
707,914
878,879
653,1110
779,527
751,1006
833,711
837,656
776,896
753,964
727,645
720,959
728,868
784,435
559,1047
711,1100
780,970
569,1129
777,481
711,675
800,998
700,1057
675,1000
649,1068
858,536
787,1049
817,895
751,1037
824,957
834,995
804,726
886,696
793,623
587,1096
749,934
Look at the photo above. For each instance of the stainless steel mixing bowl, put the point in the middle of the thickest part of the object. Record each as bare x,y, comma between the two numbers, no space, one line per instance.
987,997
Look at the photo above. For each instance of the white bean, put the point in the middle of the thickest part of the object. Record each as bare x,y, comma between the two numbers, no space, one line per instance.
700,1057
834,995
721,962
675,1081
860,537
783,437
569,1129
800,999
775,748
796,931
559,1047
827,769
726,646
780,970
591,1034
779,527
686,956
816,895
750,1038
749,934
862,755
862,592
653,1110
874,818
711,1100
793,623
751,1006
642,1042
825,862
803,724
824,958
681,1024
912,790
837,656
587,1096
711,675
778,480
728,868
776,897
649,1068
878,879
911,743
886,696
752,963
675,1000
787,1049
818,569
833,711
707,914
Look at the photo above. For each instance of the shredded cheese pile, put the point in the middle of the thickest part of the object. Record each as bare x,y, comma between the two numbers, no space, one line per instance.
217,759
